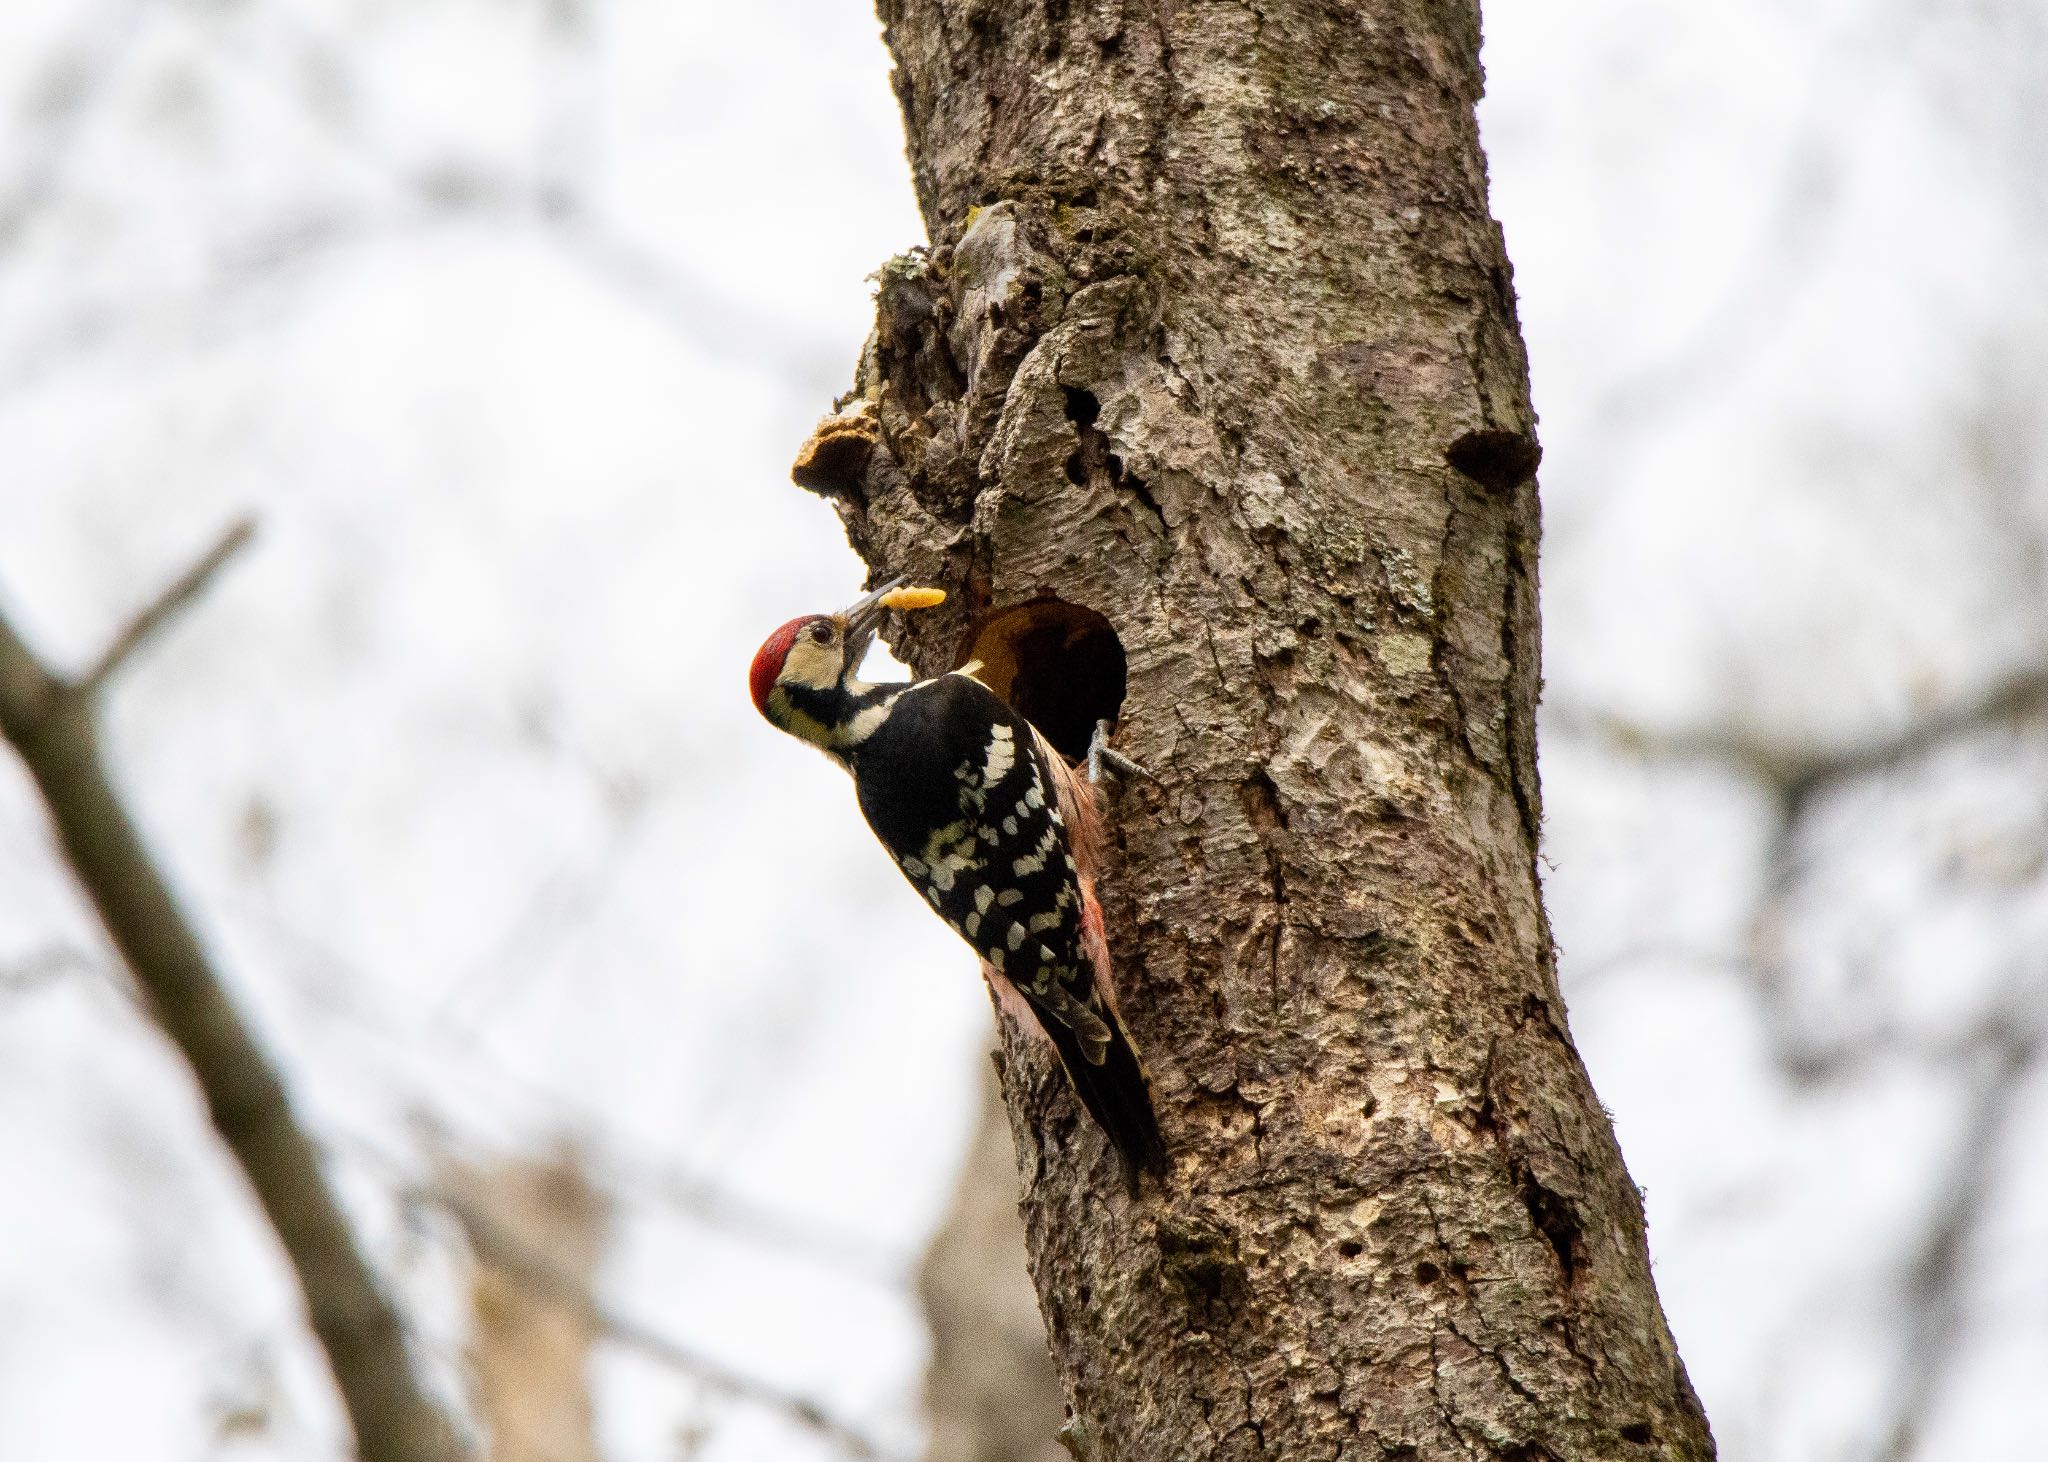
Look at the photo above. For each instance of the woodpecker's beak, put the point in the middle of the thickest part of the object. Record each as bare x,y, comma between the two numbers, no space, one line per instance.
862,618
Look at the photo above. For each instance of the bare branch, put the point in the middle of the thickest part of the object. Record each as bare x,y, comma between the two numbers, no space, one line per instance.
806,1236
1798,772
173,597
497,1246
50,725
1935,1280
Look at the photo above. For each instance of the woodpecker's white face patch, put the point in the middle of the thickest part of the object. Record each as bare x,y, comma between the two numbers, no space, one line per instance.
812,662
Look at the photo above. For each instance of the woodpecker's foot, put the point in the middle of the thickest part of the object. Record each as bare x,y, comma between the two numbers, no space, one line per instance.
1100,756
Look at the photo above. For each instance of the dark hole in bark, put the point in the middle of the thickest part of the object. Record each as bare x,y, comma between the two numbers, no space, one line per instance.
1497,460
1638,1432
1351,1248
1263,806
1055,27
1554,1219
1092,461
1082,407
1372,1103
1060,666
1428,1273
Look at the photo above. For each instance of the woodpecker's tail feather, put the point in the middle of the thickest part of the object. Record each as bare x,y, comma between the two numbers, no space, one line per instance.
1117,1098
1112,1087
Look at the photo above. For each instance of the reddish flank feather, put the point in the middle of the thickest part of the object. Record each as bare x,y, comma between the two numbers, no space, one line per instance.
768,660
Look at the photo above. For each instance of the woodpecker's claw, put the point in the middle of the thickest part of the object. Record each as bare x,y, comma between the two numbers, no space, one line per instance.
1100,755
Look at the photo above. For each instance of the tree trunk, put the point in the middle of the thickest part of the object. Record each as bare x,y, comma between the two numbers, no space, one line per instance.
990,1392
529,1353
1215,339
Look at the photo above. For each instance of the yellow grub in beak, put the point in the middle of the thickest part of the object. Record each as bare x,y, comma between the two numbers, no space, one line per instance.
913,596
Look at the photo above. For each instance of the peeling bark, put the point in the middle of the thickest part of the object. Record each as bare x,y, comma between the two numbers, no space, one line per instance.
1216,337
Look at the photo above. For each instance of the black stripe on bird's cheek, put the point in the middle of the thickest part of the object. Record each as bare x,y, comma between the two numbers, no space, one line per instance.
829,706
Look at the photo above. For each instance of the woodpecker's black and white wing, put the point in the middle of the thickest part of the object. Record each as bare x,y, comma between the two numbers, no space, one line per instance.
967,798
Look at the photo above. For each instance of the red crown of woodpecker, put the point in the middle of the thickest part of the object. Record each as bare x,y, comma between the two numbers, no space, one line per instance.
768,659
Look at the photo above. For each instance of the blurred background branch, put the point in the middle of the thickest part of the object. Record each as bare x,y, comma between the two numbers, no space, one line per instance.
49,720
536,1268
173,597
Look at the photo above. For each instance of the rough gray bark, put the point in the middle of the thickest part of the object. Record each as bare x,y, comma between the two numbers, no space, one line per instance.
991,1394
1216,337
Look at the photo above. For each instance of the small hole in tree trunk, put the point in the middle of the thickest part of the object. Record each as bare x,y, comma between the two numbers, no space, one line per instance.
1060,666
1427,1273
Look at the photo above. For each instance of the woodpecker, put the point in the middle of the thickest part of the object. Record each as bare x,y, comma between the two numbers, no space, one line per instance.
988,822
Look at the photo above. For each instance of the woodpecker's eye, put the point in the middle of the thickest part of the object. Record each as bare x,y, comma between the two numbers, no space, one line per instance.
822,633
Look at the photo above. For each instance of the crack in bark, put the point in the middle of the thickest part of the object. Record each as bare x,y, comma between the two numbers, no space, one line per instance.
1521,754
